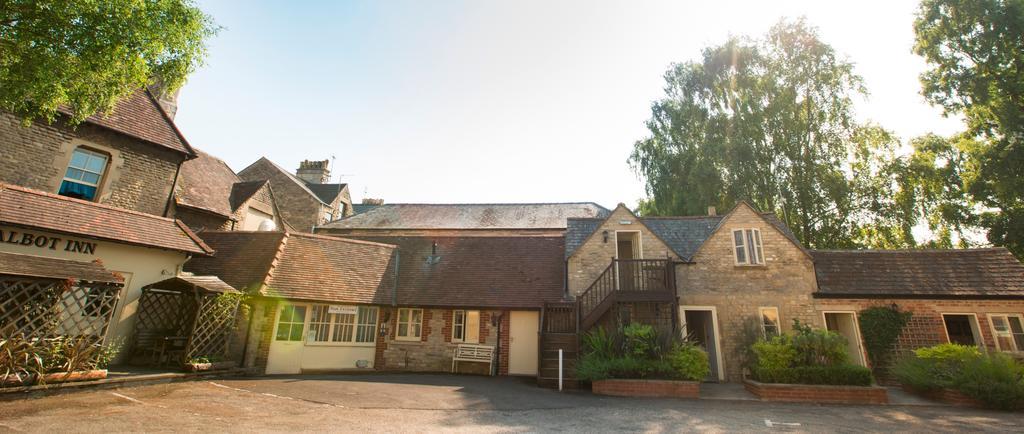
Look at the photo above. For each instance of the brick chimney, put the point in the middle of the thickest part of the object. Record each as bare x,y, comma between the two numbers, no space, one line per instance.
712,211
314,172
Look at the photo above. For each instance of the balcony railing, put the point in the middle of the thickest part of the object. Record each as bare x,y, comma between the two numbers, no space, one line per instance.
628,275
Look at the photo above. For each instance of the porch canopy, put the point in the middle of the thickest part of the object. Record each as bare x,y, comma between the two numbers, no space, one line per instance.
42,298
184,318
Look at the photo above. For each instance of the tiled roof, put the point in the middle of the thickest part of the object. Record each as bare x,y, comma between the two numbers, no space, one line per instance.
974,272
24,207
302,184
206,182
300,266
186,281
242,191
326,192
470,216
140,116
492,272
684,235
358,208
53,268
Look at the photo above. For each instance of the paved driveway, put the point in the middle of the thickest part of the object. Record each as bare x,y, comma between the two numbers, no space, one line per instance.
422,403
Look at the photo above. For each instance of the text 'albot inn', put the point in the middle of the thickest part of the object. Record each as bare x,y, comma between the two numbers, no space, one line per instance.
149,230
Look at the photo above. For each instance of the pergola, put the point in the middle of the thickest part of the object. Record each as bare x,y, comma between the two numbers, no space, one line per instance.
45,298
184,318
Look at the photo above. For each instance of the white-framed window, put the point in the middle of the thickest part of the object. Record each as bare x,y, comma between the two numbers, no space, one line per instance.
466,326
342,324
290,323
747,247
410,324
83,175
770,323
1009,331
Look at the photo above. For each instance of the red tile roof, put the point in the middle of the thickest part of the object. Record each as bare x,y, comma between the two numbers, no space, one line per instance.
54,268
35,209
488,272
300,266
206,183
975,273
140,116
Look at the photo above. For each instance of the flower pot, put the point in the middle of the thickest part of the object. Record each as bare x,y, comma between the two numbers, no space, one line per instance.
210,366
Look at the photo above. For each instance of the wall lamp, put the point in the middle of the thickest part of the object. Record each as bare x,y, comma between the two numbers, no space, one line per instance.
605,235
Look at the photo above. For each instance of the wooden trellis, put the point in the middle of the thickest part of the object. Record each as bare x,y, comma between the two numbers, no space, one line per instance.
201,310
41,308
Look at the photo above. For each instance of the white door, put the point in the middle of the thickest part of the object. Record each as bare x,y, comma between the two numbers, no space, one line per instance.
522,339
289,338
845,323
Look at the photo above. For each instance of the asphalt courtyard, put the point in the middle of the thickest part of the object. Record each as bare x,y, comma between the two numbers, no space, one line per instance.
429,403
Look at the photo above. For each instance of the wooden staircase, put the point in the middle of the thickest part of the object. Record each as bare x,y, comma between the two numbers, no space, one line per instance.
625,280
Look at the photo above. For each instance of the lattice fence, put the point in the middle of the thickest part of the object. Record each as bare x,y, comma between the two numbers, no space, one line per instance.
214,325
35,308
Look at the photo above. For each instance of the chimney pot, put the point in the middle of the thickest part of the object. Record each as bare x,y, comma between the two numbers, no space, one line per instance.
712,211
314,172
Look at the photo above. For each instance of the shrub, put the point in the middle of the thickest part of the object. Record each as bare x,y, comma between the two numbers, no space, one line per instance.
840,375
640,341
600,343
774,354
817,347
688,362
997,380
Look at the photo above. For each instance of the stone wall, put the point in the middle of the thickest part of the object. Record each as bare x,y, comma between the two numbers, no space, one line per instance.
297,205
139,176
200,221
785,281
593,257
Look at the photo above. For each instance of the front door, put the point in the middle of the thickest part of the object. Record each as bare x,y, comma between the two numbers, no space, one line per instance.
627,248
845,323
285,355
522,340
700,328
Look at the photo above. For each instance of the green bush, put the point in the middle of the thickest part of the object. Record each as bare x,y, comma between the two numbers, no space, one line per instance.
817,347
688,362
640,341
997,380
880,327
839,375
600,343
775,354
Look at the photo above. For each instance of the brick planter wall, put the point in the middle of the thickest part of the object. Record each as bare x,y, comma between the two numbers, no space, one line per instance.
648,388
947,396
818,393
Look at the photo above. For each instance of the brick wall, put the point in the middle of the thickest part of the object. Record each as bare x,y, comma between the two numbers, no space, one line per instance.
434,351
818,393
139,175
648,388
785,281
265,312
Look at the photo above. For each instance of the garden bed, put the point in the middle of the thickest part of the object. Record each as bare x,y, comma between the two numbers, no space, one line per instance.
647,388
69,377
945,396
817,393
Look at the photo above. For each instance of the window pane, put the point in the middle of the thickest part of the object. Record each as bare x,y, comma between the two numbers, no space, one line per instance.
78,158
417,315
403,315
73,173
403,329
758,248
96,164
299,314
1018,332
282,332
416,330
365,333
999,323
296,332
91,178
750,243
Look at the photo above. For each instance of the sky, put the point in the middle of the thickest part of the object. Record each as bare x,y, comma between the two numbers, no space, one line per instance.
493,102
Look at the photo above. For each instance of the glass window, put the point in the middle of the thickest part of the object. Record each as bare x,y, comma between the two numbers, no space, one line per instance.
458,326
748,247
466,326
410,323
290,323
358,326
770,321
1009,331
82,177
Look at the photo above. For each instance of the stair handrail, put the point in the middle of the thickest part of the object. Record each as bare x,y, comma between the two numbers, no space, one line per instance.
638,277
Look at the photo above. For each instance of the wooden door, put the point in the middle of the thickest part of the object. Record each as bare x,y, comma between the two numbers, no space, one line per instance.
523,328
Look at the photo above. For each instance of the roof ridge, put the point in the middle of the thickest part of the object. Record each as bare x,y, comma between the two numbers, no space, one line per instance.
294,178
490,203
911,250
334,238
170,122
278,256
682,217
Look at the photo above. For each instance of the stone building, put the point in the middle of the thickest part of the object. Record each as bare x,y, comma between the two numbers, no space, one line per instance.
306,199
128,159
210,196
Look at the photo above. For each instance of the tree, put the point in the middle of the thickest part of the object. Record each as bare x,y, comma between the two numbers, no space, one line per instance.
770,121
86,55
976,52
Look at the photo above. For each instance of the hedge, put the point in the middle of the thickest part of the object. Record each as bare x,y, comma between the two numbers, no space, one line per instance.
839,375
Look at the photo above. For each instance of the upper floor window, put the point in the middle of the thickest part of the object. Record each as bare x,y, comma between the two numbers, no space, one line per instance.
82,178
747,247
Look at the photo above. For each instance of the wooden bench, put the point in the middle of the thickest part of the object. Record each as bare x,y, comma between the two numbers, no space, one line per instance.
474,353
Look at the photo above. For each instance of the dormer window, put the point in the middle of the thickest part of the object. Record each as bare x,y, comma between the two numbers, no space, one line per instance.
747,247
82,178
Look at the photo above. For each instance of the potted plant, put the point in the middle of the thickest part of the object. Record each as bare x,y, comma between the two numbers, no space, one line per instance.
638,362
208,363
